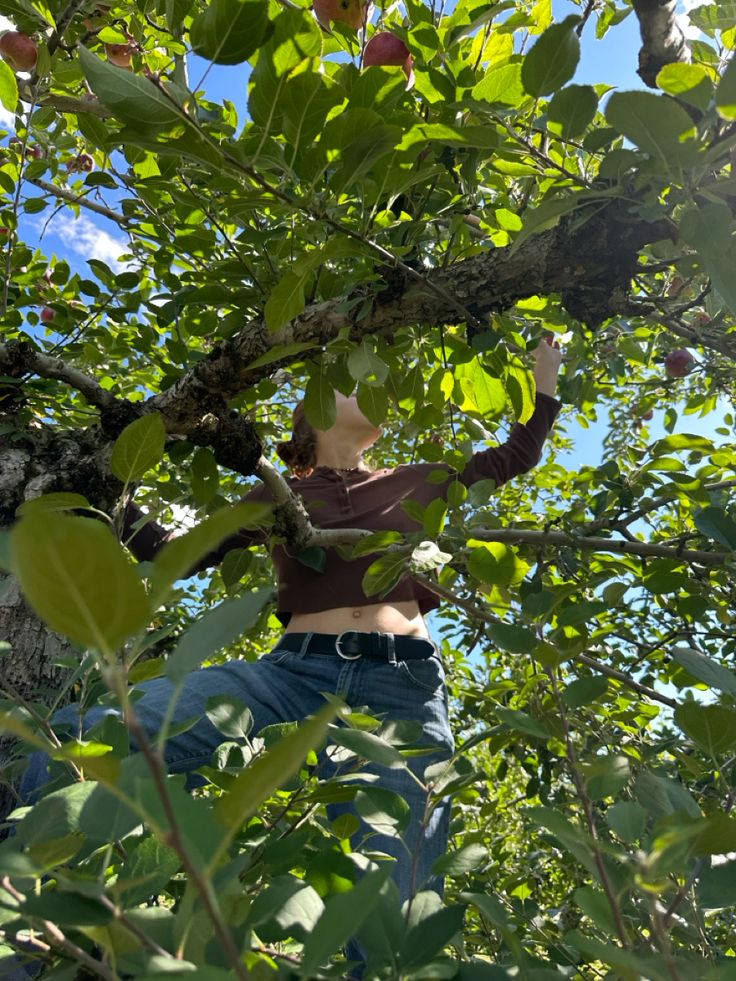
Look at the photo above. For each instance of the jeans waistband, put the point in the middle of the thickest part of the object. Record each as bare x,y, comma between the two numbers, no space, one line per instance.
352,644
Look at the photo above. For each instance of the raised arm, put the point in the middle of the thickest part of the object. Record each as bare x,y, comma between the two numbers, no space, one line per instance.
150,538
523,449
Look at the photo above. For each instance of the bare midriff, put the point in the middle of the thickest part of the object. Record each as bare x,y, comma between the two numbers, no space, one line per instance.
402,617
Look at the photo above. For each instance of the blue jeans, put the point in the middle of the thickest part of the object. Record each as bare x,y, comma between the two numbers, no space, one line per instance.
286,686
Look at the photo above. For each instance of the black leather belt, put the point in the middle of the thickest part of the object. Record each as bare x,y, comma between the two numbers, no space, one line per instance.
352,644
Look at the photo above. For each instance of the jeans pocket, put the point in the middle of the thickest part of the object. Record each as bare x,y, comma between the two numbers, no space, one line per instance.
427,674
275,656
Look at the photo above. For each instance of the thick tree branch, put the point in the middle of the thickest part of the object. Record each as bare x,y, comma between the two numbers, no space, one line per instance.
590,265
19,357
662,39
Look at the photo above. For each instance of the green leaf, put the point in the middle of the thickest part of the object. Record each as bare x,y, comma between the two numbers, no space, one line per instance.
688,82
66,909
133,98
717,886
289,907
218,628
268,772
716,524
628,819
574,108
606,775
502,84
364,365
319,400
483,137
383,809
711,726
180,554
460,861
495,563
662,796
705,669
228,32
286,301
483,393
139,447
77,578
8,87
342,917
726,92
573,838
553,59
427,937
146,872
521,722
372,402
205,475
655,123
513,637
229,716
368,746
53,502
386,572
583,691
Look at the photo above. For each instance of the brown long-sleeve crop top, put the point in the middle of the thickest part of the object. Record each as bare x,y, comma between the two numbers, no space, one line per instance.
362,499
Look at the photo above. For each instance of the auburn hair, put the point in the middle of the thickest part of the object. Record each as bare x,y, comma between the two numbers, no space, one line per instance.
299,453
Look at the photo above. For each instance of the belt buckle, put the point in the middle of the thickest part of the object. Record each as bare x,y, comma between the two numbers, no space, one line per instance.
345,657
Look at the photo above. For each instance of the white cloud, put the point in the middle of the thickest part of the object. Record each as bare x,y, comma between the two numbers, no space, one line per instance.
691,32
85,238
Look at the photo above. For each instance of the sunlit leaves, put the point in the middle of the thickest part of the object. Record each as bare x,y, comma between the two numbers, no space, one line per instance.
656,124
139,447
77,578
134,99
726,92
8,87
502,84
553,59
573,109
229,31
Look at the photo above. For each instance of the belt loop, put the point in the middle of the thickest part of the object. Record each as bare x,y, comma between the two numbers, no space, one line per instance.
305,644
391,649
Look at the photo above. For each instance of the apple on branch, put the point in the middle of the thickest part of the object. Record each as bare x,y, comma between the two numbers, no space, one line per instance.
119,54
678,363
19,51
82,163
386,48
354,13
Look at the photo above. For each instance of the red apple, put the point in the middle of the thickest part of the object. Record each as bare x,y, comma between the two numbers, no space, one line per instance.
649,414
47,315
385,48
19,51
354,13
678,363
702,318
81,163
119,54
4,230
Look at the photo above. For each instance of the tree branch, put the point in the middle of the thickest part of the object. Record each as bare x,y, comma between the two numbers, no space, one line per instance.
662,39
590,264
72,198
19,357
600,544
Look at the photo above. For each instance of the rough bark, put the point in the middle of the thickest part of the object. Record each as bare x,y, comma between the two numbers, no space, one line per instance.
589,264
30,669
662,39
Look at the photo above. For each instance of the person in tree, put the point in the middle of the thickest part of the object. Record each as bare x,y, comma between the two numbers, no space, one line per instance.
373,654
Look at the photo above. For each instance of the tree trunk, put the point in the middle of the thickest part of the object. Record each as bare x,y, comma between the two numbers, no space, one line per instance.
28,672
